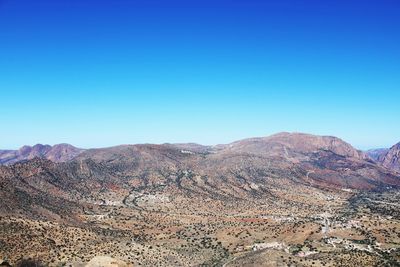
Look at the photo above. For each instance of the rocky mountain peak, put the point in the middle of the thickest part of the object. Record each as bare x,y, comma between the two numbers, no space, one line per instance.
391,159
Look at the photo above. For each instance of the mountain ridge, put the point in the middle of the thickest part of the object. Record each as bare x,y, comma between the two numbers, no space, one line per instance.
57,153
50,152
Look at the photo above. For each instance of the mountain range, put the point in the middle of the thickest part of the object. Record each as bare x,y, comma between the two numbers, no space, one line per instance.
47,176
387,157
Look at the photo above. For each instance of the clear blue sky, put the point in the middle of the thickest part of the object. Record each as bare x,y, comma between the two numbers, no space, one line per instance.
101,73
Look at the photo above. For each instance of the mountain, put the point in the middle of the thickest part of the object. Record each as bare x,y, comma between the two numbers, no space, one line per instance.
279,144
320,160
391,159
377,154
328,161
56,153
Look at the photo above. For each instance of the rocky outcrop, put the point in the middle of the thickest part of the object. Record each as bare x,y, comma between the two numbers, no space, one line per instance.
377,154
391,159
106,261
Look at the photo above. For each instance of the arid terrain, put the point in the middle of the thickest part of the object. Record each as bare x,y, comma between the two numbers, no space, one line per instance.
289,199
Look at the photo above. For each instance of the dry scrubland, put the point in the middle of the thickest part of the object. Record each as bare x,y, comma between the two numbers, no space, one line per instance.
328,232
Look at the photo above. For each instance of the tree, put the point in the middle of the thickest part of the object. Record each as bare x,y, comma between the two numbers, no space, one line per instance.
29,263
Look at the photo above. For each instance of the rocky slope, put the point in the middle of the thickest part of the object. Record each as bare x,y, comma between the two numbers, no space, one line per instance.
377,154
56,153
388,158
391,159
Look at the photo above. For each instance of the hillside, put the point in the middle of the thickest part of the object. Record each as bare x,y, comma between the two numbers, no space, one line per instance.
377,154
391,159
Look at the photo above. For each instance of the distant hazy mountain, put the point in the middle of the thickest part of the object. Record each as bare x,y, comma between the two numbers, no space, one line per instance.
377,154
56,153
387,157
391,159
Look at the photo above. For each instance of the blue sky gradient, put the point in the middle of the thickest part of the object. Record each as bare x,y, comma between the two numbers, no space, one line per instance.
102,73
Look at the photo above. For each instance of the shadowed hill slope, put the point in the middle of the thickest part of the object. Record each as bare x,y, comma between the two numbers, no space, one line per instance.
391,159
